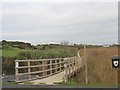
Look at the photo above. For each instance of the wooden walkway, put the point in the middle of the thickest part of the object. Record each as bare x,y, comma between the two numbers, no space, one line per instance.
47,71
51,80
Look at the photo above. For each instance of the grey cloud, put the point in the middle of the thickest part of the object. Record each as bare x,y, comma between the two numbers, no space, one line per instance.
75,22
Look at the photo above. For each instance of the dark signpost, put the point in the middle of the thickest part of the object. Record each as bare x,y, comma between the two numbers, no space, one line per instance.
115,61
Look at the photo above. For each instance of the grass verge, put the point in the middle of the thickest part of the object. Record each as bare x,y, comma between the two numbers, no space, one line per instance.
72,83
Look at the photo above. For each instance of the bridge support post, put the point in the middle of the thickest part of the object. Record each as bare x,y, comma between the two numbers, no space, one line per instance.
29,71
65,73
43,68
72,68
76,65
60,65
69,75
51,67
16,70
55,66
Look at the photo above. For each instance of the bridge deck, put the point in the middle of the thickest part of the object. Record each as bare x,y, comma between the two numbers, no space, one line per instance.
59,77
51,79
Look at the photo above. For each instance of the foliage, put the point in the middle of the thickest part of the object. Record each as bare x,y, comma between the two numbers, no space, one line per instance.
21,45
10,54
46,54
8,65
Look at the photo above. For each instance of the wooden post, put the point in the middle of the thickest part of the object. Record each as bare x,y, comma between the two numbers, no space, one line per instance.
69,68
85,58
29,71
76,65
72,67
78,60
65,73
60,64
46,67
43,64
51,67
16,70
56,66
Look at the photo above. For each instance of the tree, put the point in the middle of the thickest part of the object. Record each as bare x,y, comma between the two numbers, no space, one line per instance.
64,42
4,42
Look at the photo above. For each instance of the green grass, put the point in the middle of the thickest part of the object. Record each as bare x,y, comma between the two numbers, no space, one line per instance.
8,51
72,83
15,83
9,83
41,83
28,82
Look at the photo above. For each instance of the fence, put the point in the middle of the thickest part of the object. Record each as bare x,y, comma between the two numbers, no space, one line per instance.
33,69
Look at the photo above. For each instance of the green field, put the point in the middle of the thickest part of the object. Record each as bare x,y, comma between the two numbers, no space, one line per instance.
8,51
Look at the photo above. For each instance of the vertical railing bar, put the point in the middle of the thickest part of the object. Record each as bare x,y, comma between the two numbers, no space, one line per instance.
29,71
16,70
51,67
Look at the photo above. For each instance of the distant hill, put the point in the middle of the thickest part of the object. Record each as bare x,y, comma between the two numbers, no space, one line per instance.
21,45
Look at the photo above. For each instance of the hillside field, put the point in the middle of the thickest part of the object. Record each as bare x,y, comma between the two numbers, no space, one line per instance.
8,51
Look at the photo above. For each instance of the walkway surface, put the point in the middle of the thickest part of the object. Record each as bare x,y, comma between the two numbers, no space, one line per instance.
50,80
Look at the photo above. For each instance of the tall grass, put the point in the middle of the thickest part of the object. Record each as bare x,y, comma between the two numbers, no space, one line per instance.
99,66
47,53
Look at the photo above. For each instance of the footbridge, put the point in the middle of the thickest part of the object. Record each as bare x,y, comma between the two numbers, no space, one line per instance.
47,71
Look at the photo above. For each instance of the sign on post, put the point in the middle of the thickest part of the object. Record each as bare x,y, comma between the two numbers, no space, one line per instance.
115,61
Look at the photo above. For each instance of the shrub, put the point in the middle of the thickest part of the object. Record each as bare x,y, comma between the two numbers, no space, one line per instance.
46,54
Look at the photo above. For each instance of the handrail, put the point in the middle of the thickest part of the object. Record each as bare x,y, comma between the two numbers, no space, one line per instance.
58,66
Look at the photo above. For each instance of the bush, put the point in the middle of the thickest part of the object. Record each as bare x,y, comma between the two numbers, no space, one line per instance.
46,54
8,65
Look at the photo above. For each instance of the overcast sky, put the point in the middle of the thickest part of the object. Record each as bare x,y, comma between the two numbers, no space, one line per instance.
90,23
